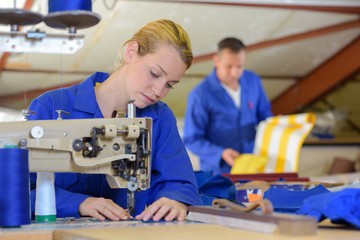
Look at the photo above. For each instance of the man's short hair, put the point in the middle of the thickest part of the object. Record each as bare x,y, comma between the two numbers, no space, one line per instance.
233,44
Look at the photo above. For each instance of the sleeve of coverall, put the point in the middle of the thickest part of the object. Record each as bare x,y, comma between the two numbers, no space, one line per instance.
196,125
172,173
264,105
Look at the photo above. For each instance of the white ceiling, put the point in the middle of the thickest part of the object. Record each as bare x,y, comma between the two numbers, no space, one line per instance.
279,65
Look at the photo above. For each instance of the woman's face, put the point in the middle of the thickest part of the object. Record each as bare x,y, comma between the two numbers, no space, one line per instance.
149,78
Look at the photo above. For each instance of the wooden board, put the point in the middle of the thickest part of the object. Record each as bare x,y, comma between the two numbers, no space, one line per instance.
278,223
268,177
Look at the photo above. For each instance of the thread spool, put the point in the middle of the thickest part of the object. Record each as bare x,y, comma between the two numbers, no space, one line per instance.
19,17
14,187
45,205
71,14
61,5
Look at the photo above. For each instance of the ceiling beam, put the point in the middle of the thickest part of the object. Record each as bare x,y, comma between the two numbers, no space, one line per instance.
28,4
45,71
337,7
320,81
291,38
38,92
256,46
33,93
186,75
3,60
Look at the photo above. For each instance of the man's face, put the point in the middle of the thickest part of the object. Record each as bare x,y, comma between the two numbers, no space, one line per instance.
229,66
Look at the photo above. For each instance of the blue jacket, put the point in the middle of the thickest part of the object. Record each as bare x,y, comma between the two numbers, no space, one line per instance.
172,175
214,123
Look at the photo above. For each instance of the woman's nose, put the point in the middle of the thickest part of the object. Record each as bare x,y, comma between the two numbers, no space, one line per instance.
157,88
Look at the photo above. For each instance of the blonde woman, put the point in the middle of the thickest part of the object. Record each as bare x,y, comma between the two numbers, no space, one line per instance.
152,63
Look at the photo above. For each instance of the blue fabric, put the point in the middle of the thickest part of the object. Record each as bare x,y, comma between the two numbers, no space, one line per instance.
340,207
214,123
172,175
203,176
214,186
285,200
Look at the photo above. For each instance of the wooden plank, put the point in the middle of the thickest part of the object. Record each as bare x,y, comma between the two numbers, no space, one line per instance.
291,38
268,177
16,234
277,223
337,7
331,142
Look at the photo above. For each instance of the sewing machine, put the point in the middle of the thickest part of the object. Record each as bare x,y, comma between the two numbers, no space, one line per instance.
118,147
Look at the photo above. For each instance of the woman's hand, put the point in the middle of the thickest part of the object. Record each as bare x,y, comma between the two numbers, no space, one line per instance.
102,208
164,208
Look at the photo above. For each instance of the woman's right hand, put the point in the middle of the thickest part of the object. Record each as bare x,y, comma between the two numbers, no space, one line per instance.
101,208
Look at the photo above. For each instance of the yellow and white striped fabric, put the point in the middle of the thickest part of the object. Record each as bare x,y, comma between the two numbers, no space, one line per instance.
280,138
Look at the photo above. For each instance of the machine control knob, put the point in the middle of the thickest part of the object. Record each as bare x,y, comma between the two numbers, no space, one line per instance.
132,186
78,145
37,132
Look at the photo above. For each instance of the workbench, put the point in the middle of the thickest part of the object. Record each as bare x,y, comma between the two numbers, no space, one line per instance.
317,155
185,230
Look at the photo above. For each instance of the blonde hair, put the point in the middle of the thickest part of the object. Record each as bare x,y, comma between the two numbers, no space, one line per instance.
150,36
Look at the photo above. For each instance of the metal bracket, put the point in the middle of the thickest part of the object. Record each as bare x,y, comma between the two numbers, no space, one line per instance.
40,42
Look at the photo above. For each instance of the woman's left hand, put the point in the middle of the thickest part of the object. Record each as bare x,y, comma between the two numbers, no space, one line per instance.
164,207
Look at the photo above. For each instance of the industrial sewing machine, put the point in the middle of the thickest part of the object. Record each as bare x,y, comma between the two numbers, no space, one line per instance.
118,147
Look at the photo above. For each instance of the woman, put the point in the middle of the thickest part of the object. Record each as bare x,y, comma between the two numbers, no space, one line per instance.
154,60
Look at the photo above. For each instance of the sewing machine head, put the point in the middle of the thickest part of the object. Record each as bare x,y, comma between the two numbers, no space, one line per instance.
117,147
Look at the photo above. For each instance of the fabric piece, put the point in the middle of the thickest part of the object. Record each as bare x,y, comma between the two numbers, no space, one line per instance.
285,200
280,138
251,191
340,207
248,164
214,186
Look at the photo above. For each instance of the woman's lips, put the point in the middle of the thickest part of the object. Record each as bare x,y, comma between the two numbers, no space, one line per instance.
147,99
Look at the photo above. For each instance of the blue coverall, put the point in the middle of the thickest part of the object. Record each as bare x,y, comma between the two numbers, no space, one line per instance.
214,123
172,175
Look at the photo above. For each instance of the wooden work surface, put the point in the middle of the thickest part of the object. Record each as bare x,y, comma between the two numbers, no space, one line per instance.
14,234
173,231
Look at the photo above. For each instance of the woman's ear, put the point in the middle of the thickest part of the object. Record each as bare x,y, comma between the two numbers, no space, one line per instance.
130,51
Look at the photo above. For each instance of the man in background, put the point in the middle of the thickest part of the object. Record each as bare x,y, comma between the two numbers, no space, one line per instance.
224,110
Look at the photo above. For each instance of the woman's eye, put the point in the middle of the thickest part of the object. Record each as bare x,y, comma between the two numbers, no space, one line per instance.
168,85
154,75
